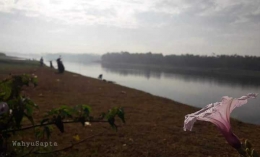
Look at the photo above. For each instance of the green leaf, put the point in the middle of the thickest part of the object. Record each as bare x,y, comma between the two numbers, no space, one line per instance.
111,121
86,109
86,106
59,124
6,91
254,153
82,120
248,151
34,81
2,94
29,117
29,110
121,114
13,103
44,120
66,113
29,104
25,80
38,133
47,131
18,116
248,144
112,113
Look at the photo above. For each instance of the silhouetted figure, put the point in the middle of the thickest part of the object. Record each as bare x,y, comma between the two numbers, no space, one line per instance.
100,76
60,65
41,61
51,64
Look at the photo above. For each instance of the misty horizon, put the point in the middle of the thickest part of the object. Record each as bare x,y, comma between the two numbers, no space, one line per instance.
94,54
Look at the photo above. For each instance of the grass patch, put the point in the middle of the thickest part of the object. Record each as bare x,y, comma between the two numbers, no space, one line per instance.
8,64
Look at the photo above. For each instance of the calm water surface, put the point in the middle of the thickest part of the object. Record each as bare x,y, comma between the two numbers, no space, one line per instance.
189,89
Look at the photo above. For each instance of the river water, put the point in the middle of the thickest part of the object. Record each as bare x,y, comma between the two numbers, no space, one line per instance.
194,90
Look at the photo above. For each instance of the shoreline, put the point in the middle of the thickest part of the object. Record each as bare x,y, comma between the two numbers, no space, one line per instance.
179,102
154,125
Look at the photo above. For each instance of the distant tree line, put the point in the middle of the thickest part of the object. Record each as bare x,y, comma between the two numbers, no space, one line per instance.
187,60
2,54
83,58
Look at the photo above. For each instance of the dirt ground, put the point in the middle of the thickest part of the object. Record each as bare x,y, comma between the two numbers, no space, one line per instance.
154,125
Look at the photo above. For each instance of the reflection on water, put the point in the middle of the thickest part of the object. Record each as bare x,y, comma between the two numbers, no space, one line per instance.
148,72
137,72
192,89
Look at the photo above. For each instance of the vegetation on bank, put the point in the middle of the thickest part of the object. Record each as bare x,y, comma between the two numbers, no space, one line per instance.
8,63
185,61
2,54
83,58
16,110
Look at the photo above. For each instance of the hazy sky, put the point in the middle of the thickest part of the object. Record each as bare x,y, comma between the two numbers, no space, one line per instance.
159,26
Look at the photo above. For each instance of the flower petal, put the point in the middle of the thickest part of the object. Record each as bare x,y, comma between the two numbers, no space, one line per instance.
242,100
190,119
217,113
189,122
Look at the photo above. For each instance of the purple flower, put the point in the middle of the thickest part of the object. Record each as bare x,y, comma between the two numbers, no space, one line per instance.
219,114
3,108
